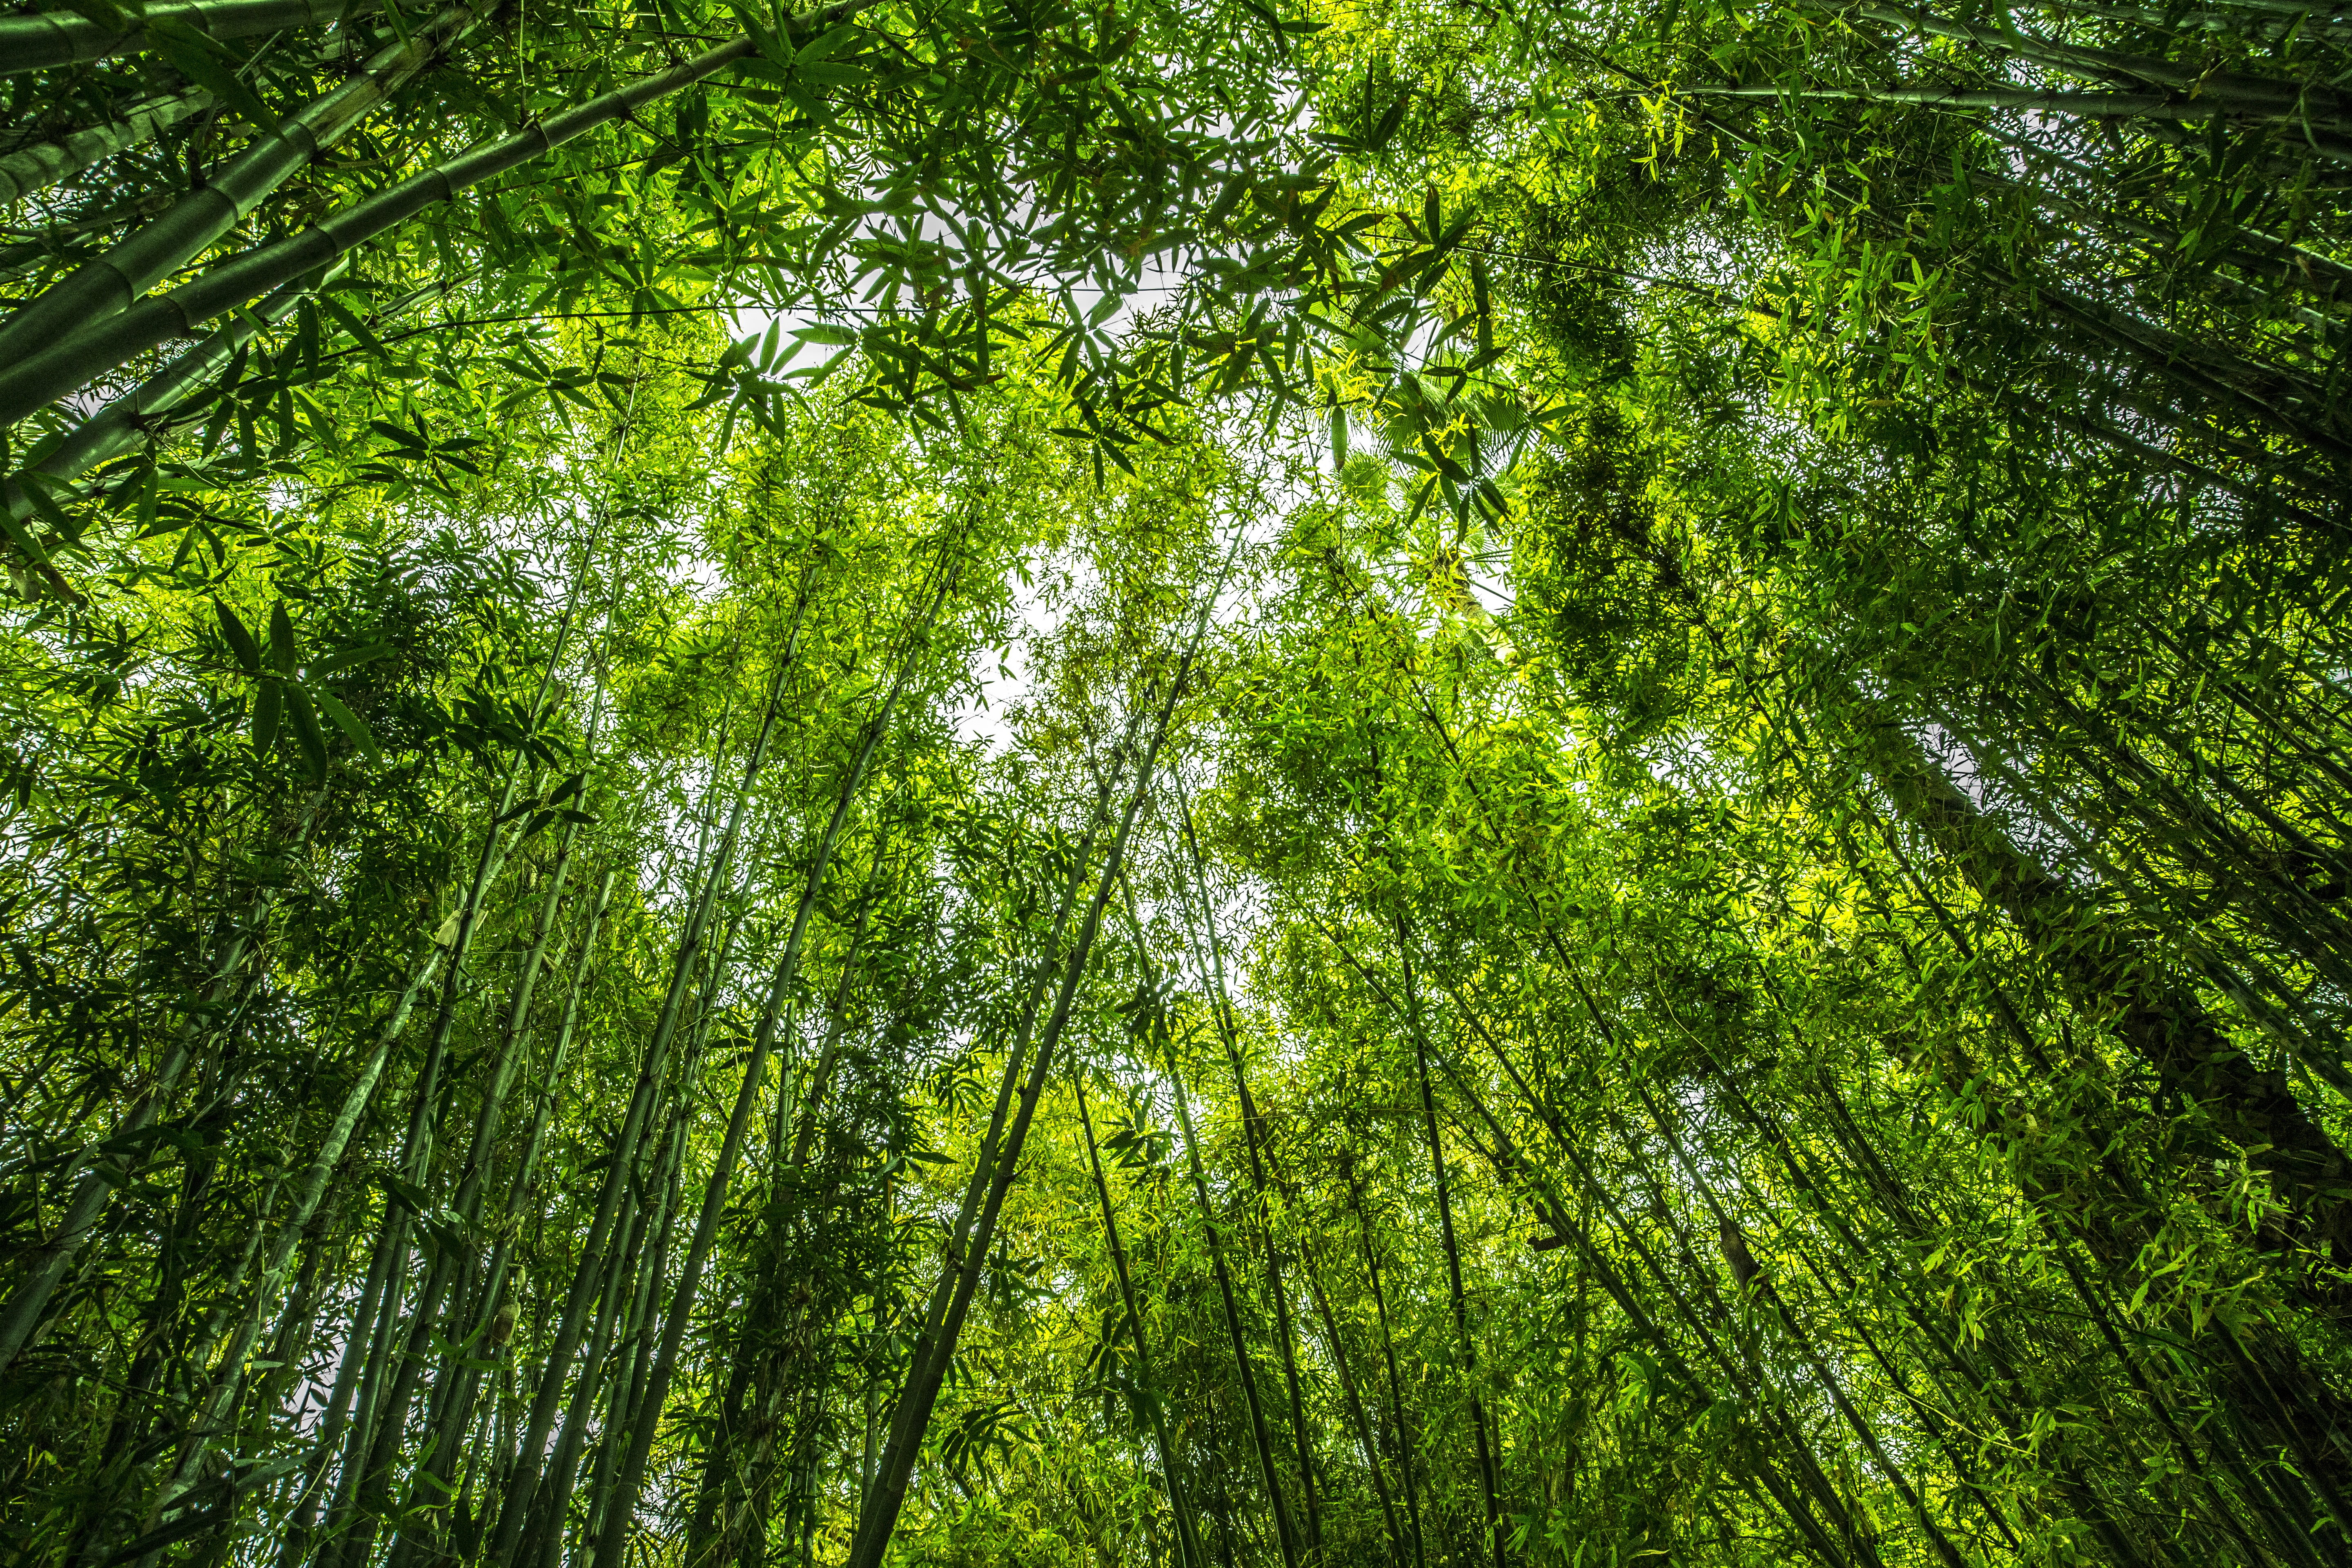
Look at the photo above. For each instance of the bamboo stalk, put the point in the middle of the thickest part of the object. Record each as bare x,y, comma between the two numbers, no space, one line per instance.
518,1502
714,1201
1187,1534
35,376
108,285
1450,1243
37,167
54,38
1257,1142
1245,1370
936,1350
214,1409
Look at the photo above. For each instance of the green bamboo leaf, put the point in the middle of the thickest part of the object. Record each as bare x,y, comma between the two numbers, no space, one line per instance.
347,721
282,651
306,729
240,640
268,705
202,60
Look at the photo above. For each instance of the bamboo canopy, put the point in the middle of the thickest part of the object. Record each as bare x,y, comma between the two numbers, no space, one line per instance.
1183,783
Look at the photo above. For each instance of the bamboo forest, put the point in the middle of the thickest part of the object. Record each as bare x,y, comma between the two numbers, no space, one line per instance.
1175,784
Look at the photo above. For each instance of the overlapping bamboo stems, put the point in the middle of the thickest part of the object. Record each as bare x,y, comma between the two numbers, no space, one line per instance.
1400,1426
107,285
2291,1520
1734,1246
470,1306
1838,1542
1358,1417
231,950
1853,1417
163,399
2158,1021
212,1414
631,1477
1808,1181
626,1410
36,168
2211,372
2254,1409
2185,828
1481,1438
376,1439
1257,1142
44,41
496,1281
1244,1365
1849,1541
725,1507
1188,1536
2085,1230
35,370
994,1173
457,1376
588,1279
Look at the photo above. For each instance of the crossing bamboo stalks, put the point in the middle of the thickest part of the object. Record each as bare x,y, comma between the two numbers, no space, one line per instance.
708,1534
1398,1425
1452,1245
587,1280
1357,1417
111,284
1257,1142
2164,1025
966,1259
629,1409
780,987
33,376
1187,1533
1836,1542
58,39
1245,1366
122,423
457,1376
214,1412
389,1414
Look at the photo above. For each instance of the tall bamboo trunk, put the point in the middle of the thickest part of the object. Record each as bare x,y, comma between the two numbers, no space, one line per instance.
1397,1424
587,1279
1245,1366
2111,973
213,1412
47,357
1454,1296
55,38
968,1254
714,1201
1255,1140
1187,1533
